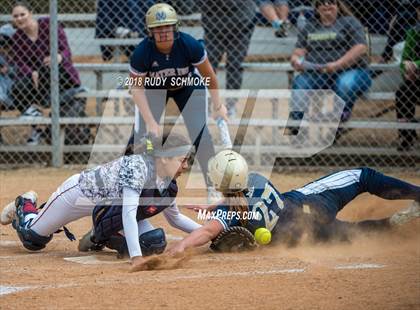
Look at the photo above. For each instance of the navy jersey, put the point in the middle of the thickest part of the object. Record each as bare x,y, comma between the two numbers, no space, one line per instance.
314,205
322,199
264,201
186,53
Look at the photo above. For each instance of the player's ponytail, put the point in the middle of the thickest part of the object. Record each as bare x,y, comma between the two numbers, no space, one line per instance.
238,203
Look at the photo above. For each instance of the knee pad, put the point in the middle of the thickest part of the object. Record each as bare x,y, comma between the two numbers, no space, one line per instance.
151,242
31,240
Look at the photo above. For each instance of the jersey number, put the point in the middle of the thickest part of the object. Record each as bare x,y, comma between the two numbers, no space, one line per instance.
267,196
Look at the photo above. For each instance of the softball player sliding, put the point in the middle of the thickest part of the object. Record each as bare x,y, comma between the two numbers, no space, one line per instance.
128,181
286,215
163,59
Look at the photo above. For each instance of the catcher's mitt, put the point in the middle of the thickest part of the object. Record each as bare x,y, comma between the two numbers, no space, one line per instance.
234,239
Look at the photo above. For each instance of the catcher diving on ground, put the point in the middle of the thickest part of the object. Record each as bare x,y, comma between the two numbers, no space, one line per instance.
311,208
121,194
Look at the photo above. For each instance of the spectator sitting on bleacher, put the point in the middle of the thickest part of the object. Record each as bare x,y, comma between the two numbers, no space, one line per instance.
31,58
228,27
331,53
276,12
120,19
282,13
407,96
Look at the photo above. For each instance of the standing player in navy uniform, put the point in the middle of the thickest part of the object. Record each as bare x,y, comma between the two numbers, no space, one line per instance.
287,215
165,56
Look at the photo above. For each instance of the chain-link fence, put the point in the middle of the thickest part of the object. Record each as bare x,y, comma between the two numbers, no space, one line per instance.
278,53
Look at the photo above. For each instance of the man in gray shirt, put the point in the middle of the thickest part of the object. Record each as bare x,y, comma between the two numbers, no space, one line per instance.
326,44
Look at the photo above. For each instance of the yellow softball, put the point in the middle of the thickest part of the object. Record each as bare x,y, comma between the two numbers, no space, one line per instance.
262,236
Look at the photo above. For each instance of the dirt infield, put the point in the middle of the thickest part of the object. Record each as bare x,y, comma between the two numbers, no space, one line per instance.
377,271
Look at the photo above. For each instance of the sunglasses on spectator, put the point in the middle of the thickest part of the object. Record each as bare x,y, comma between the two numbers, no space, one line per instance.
325,2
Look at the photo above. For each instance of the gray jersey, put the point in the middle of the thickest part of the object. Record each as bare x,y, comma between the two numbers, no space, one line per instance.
329,43
107,181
